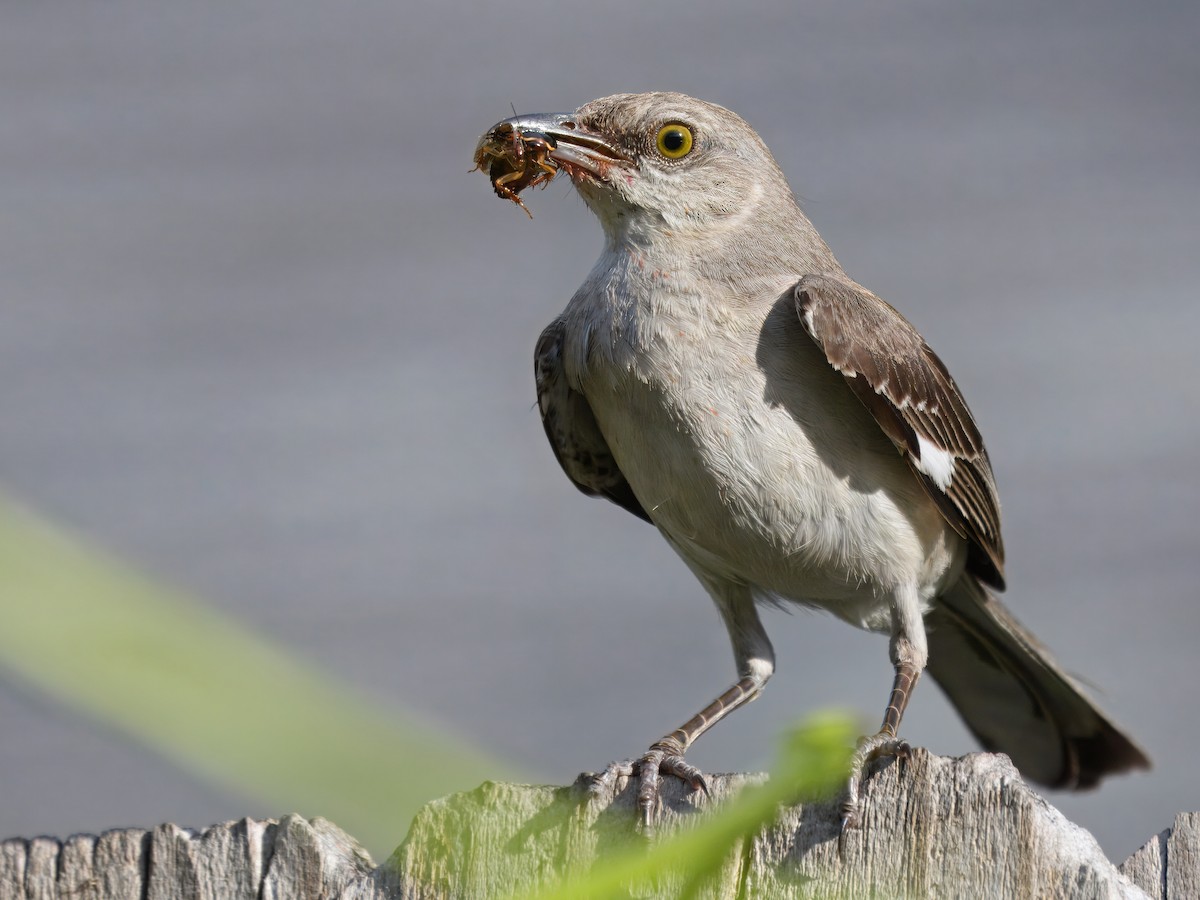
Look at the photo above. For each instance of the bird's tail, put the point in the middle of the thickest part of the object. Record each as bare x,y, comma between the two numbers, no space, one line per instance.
1016,699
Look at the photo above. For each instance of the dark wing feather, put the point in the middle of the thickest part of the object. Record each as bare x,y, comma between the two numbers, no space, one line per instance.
907,389
572,430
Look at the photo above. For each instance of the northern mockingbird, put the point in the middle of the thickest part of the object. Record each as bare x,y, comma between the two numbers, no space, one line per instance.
788,432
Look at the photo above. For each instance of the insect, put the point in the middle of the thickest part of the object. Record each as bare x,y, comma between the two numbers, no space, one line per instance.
515,160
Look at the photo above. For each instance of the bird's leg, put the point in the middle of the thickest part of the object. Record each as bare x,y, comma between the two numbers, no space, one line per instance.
882,743
756,662
909,653
665,756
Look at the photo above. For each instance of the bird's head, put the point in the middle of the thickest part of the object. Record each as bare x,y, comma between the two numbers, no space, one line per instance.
645,163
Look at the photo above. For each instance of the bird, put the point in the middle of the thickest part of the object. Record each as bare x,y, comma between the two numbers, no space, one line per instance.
789,433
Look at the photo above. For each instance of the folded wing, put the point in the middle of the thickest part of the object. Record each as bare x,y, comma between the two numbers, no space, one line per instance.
904,385
572,430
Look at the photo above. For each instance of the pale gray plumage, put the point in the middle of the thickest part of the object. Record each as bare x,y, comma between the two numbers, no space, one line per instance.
788,432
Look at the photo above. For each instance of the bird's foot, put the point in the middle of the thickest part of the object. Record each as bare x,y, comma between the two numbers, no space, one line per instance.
869,749
661,759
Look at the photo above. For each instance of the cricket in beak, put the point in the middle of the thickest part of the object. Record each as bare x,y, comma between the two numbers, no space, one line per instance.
528,151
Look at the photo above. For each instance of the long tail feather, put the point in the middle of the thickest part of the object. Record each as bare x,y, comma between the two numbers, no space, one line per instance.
1016,699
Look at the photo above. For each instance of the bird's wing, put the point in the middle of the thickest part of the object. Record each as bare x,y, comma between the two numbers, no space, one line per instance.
903,384
572,430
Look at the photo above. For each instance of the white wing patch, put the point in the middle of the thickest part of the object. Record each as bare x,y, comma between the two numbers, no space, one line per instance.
935,462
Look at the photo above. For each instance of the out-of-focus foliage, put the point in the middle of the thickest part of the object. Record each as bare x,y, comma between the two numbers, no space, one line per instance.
199,688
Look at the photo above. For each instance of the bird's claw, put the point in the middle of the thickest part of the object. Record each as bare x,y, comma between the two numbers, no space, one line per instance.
869,749
601,784
649,770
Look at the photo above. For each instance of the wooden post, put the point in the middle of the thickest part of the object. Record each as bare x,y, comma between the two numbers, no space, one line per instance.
966,827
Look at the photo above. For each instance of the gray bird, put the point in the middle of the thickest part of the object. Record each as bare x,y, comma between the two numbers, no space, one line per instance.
788,432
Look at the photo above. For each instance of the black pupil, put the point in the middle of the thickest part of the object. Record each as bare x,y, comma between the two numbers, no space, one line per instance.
673,140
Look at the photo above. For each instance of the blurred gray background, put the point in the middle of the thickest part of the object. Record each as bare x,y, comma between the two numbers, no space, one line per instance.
265,337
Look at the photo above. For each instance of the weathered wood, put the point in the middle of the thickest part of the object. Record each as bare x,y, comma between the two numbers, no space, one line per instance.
941,828
945,828
1168,866
293,858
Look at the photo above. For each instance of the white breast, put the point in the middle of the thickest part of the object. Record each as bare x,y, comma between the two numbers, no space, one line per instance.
750,452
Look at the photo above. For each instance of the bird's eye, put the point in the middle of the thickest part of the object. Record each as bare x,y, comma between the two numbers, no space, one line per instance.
674,141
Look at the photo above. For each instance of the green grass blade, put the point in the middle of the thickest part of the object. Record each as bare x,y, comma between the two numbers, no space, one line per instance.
199,688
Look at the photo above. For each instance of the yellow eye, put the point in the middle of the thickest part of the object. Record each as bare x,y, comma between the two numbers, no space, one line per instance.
674,141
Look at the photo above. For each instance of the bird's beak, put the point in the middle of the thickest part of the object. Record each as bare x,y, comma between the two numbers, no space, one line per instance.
568,143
